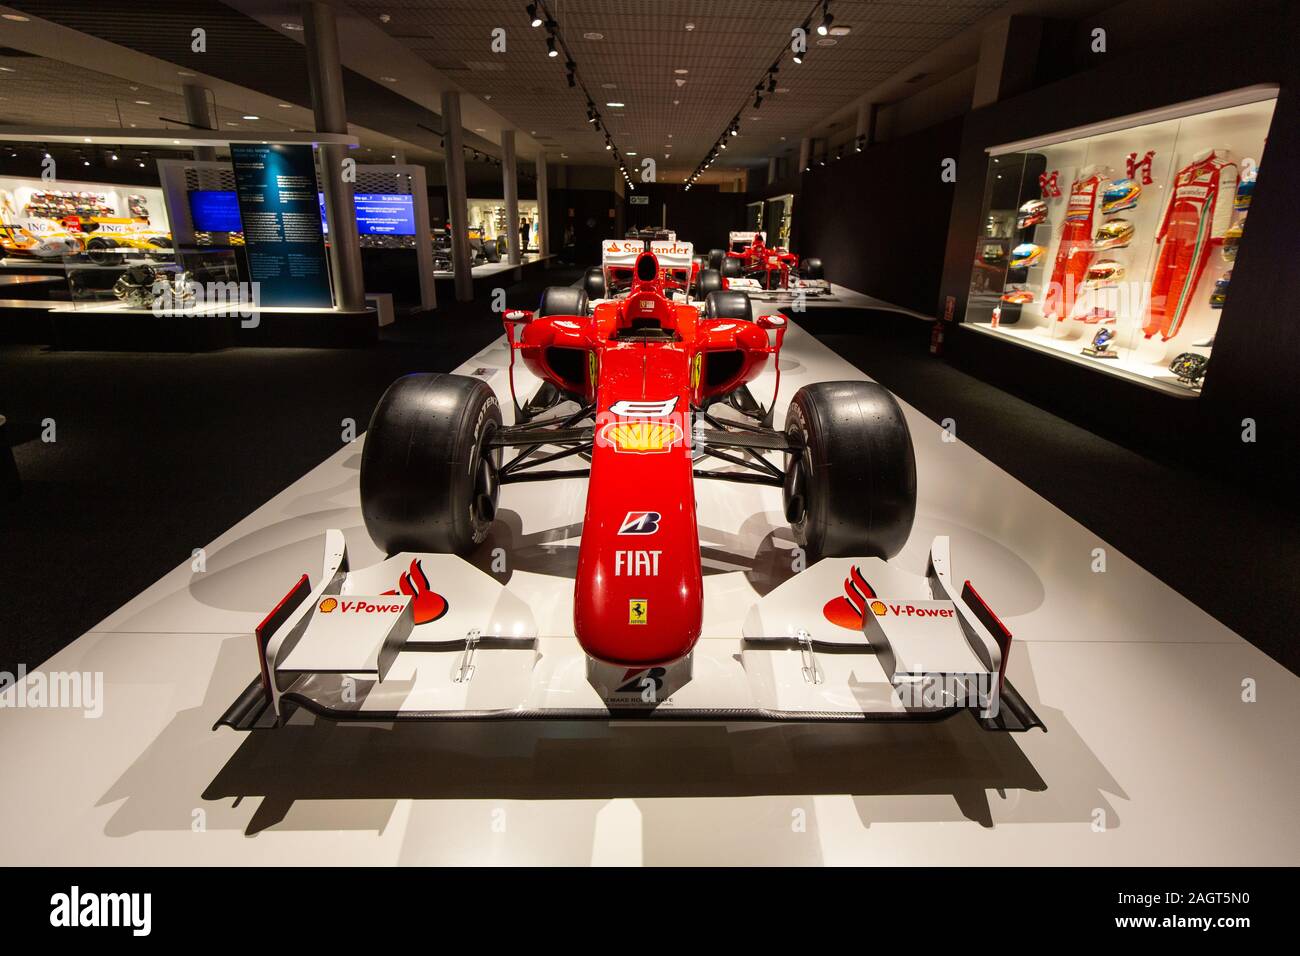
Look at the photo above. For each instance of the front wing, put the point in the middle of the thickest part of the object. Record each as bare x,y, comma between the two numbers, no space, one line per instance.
475,653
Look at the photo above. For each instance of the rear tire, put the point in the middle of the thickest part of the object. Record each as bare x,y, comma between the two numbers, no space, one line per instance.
812,269
562,300
852,490
593,283
99,251
715,258
710,280
728,305
428,483
732,268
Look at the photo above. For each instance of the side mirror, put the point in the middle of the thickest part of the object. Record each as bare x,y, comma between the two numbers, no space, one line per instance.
522,316
770,321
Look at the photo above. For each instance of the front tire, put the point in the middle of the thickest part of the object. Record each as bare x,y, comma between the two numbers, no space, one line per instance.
428,480
852,489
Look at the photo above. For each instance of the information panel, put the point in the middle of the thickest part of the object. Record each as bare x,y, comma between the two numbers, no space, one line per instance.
285,245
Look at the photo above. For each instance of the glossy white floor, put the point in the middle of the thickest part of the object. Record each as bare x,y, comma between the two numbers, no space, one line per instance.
1152,755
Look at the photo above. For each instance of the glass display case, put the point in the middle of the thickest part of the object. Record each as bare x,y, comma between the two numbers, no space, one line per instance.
489,217
1115,247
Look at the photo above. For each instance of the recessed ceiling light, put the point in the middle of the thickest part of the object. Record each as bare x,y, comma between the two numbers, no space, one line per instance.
631,153
593,36
16,17
690,27
675,102
681,72
292,26
783,89
609,86
480,129
231,124
827,41
143,103
389,79
8,69
840,31
184,73
250,116
614,105
285,106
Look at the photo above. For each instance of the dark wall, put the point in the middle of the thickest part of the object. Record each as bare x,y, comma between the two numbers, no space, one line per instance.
580,219
704,216
878,219
1257,349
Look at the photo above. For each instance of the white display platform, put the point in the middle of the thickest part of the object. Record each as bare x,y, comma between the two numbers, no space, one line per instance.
1151,755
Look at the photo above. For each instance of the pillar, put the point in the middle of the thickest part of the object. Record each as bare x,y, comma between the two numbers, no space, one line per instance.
327,103
457,203
510,185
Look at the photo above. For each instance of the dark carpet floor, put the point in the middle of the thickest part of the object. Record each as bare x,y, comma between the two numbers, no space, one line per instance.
1225,546
156,454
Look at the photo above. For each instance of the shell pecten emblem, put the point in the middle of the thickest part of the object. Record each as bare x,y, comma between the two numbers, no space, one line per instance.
878,608
328,605
641,438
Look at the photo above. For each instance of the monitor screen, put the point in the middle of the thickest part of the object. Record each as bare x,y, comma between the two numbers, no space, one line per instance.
385,214
215,210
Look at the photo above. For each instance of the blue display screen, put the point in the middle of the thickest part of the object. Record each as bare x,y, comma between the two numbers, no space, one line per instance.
385,214
215,210
378,214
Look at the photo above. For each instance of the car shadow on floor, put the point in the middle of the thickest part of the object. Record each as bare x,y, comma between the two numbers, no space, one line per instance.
312,774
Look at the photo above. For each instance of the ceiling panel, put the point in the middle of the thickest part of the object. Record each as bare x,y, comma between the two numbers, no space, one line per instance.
644,42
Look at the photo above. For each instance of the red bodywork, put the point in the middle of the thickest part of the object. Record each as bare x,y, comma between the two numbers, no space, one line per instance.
639,589
760,259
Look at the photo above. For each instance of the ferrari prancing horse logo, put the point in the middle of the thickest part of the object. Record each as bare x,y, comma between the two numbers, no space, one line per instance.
637,610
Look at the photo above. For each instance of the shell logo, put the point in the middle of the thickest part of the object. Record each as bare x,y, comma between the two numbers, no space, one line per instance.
878,608
328,605
641,438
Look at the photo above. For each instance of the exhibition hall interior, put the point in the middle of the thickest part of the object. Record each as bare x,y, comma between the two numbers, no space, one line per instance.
649,432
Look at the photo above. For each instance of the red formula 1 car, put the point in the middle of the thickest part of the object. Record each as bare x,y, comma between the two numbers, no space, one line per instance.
750,265
643,397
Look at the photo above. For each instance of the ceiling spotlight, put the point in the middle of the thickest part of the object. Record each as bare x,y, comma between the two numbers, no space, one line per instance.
550,46
771,82
533,18
824,28
798,57
608,144
292,26
571,67
615,105
758,97
250,116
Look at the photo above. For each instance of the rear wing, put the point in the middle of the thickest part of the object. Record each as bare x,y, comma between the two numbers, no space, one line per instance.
744,238
671,253
618,258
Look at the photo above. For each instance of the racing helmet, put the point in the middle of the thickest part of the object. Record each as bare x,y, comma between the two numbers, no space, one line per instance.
1119,194
1103,271
1031,214
1026,254
1245,189
1231,240
1114,234
1220,293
